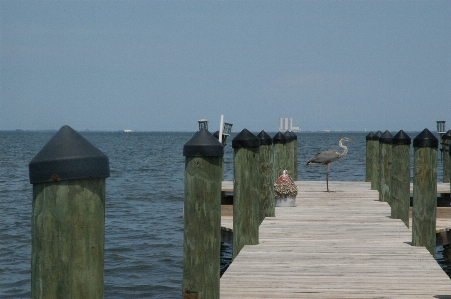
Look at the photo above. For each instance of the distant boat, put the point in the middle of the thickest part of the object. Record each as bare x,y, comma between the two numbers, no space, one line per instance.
128,131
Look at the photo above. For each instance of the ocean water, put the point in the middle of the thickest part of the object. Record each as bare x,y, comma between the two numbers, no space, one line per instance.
144,202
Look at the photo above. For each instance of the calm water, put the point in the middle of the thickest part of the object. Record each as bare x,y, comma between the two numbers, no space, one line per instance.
144,224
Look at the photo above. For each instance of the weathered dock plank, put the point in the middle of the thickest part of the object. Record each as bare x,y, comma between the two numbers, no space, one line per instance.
341,244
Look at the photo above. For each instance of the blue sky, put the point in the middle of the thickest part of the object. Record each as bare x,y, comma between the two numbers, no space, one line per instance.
162,65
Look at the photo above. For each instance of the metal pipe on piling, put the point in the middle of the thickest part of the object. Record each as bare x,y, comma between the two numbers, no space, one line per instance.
424,209
246,190
385,161
400,177
266,175
202,216
68,218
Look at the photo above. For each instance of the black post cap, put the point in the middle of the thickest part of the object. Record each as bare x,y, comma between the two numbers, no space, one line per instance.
279,138
401,138
216,135
245,139
377,135
290,136
370,136
203,144
425,139
264,138
447,135
68,156
386,137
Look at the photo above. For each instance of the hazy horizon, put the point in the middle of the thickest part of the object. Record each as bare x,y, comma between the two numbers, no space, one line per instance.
163,65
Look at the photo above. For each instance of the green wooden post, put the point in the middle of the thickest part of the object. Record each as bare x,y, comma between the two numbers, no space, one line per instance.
202,216
424,209
385,161
246,190
68,218
369,157
400,177
280,154
375,176
291,159
266,175
295,145
446,158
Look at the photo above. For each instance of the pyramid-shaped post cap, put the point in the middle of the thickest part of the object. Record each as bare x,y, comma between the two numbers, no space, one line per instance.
370,136
264,138
68,156
279,138
203,144
216,135
290,136
401,138
245,139
386,137
377,135
447,136
425,139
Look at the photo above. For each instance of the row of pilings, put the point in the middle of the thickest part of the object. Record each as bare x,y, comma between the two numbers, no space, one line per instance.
68,213
258,162
388,169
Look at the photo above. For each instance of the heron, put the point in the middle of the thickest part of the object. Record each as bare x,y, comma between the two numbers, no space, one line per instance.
327,157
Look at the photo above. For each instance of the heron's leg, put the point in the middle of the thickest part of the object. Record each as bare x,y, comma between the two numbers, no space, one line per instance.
327,177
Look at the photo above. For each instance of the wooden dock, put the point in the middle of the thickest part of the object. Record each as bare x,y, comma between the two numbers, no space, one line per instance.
341,244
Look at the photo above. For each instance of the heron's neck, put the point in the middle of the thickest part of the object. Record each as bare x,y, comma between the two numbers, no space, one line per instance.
344,147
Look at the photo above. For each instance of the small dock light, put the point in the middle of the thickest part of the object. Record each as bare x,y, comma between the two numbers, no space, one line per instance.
203,124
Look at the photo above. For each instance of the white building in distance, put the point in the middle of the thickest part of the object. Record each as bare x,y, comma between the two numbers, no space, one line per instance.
286,124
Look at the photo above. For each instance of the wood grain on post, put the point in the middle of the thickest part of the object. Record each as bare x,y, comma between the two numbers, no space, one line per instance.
385,161
68,218
424,209
291,158
246,190
202,216
280,154
375,179
295,161
446,158
369,157
400,177
266,175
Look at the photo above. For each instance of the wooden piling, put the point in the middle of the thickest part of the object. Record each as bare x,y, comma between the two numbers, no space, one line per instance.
246,192
375,179
202,216
280,154
425,191
446,158
291,158
266,154
400,177
385,161
68,218
295,158
369,157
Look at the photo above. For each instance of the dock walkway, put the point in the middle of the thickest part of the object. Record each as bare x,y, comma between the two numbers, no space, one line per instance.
341,244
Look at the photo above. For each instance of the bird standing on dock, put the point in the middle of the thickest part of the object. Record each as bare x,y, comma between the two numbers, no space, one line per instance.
327,157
